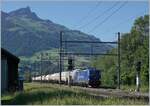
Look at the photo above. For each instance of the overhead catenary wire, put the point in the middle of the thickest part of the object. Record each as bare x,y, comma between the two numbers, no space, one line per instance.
97,17
124,21
90,12
108,17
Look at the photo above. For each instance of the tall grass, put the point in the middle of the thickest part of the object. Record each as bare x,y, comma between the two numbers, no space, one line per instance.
48,94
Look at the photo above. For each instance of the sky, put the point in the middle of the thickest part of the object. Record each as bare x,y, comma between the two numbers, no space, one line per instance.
102,19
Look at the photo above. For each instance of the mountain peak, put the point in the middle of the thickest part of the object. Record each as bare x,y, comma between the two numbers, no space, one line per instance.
21,11
24,12
28,8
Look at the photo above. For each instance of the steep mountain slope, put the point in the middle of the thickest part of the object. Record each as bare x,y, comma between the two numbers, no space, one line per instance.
24,33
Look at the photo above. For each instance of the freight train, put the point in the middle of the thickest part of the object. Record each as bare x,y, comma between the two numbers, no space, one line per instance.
88,77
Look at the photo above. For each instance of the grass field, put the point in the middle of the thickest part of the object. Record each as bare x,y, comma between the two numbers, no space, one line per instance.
48,94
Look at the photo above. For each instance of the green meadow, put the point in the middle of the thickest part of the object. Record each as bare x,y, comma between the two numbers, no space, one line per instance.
49,94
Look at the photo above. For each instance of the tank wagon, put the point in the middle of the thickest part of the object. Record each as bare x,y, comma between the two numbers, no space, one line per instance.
88,77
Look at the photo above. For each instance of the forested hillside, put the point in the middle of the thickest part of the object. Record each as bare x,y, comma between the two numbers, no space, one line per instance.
24,33
134,48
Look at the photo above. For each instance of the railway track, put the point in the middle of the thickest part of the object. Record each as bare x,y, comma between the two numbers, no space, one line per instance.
109,92
115,93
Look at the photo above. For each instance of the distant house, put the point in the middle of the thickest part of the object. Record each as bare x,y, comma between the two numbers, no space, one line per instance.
9,71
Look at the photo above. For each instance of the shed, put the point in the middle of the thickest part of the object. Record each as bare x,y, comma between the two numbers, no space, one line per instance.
9,71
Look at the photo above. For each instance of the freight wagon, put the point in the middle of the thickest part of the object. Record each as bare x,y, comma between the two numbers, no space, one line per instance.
88,77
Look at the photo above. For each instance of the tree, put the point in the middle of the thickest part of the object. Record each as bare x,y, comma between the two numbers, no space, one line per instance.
134,47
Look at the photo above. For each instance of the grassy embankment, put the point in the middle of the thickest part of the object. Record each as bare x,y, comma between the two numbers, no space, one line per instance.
48,94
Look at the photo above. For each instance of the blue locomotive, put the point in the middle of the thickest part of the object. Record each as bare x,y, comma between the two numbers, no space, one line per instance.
88,77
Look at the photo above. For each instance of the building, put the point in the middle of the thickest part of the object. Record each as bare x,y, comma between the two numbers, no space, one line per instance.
9,71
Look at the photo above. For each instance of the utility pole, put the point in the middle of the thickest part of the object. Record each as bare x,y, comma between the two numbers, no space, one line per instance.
41,66
91,51
119,60
60,57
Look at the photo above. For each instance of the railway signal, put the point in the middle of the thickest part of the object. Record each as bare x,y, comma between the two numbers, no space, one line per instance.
138,69
70,64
